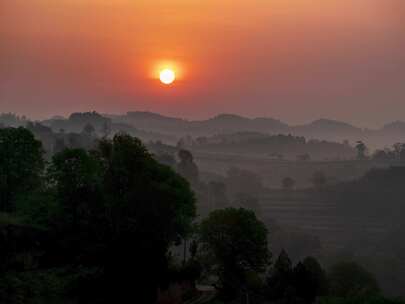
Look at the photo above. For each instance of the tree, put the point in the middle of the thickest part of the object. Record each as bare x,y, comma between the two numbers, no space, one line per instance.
120,210
21,165
288,183
349,279
280,284
310,280
361,150
187,168
149,208
238,242
77,179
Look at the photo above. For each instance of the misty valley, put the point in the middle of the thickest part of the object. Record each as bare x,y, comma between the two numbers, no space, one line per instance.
202,152
144,208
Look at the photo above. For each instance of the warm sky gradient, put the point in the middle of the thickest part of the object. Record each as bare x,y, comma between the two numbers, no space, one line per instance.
296,60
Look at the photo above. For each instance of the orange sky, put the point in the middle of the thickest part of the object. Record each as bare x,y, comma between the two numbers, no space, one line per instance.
291,59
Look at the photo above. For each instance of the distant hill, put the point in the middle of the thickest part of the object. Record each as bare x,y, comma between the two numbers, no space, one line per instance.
323,129
223,123
104,123
326,128
149,125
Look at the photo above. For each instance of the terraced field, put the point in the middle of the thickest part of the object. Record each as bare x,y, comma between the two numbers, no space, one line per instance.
307,212
273,171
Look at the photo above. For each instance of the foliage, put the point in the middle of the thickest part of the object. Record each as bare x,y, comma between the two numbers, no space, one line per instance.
21,165
303,283
186,167
361,150
238,242
109,200
349,279
108,215
280,279
310,279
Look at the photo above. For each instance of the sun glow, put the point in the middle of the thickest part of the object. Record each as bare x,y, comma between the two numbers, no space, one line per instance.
167,72
167,76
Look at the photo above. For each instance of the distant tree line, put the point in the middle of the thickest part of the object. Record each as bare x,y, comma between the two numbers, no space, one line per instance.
278,147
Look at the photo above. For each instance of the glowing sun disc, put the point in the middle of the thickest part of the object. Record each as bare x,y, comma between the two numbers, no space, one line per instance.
167,76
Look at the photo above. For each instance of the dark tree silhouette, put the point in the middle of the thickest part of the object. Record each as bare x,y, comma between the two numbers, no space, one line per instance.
238,242
310,280
280,283
349,279
21,165
119,212
361,150
187,168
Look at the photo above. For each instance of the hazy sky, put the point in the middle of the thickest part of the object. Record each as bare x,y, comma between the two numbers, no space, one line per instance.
295,60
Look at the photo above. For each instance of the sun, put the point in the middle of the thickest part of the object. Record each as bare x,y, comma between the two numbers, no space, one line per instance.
167,76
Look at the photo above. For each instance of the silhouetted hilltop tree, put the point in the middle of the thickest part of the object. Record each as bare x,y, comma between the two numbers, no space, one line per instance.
21,165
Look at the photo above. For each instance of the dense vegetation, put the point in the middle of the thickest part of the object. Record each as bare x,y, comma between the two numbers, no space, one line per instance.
100,225
99,222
